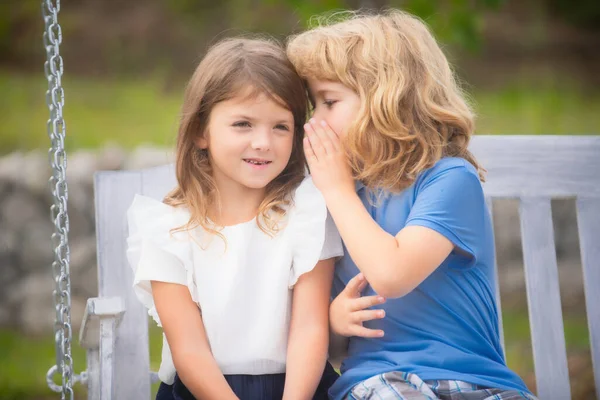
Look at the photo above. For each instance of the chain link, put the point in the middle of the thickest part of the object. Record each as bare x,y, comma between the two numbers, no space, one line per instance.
55,98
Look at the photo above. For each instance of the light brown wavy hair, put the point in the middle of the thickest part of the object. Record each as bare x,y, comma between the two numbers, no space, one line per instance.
412,111
229,69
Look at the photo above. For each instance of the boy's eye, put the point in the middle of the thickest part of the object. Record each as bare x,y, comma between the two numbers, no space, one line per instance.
282,127
241,124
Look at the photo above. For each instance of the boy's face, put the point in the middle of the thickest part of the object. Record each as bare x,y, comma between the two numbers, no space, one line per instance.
249,141
334,103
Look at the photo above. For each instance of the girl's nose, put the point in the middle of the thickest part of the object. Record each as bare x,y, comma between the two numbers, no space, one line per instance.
261,139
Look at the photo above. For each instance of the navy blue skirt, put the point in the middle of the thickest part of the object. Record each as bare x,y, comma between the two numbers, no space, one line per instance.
250,387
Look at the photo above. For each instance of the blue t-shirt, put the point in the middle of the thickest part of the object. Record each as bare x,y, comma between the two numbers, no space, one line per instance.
447,327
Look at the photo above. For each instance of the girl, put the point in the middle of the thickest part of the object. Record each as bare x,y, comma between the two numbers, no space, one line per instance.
236,264
389,115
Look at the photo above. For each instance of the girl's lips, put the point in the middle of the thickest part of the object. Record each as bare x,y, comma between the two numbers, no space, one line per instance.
257,163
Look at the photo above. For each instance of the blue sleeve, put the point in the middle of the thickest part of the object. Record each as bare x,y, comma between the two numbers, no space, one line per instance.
451,202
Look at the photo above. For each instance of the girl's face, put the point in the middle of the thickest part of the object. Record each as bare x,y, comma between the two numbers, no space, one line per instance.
249,141
334,103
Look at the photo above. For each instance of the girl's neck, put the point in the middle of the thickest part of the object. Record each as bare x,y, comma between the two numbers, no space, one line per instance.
236,205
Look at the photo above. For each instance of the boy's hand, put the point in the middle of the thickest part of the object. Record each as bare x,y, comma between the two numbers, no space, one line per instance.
348,310
327,160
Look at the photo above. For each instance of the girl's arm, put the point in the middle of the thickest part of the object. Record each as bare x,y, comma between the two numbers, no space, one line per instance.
183,326
309,332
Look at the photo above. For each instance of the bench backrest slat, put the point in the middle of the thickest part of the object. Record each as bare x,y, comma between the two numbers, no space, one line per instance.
114,193
543,298
588,220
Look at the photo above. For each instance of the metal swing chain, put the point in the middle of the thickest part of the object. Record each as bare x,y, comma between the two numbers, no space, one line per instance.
53,68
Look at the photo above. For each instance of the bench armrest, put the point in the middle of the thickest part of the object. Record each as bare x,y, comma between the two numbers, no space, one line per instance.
98,308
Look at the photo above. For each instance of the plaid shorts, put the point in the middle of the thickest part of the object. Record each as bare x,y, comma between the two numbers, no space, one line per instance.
405,386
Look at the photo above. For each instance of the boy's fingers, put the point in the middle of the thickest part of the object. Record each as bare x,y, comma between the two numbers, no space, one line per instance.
315,142
309,152
361,286
367,315
358,330
333,137
323,137
355,285
365,302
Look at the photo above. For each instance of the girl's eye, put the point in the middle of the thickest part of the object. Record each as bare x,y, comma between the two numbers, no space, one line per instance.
329,103
282,127
242,124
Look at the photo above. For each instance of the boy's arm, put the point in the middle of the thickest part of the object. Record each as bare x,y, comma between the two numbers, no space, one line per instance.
309,332
182,323
393,265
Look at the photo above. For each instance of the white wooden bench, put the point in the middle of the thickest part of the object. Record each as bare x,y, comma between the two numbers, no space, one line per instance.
533,169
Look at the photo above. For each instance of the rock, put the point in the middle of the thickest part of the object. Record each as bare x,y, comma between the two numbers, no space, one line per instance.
81,167
31,170
8,240
36,249
5,319
32,298
9,273
111,158
146,157
84,277
21,207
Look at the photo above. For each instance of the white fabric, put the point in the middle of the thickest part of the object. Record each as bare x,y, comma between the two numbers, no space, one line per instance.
244,288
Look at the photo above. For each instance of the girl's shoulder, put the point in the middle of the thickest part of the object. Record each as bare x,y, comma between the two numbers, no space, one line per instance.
310,230
154,217
307,196
141,202
307,207
307,191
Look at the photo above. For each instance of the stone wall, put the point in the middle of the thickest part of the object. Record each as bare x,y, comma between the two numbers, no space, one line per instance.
26,254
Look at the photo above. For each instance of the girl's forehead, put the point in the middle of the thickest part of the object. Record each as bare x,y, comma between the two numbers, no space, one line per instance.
246,93
251,98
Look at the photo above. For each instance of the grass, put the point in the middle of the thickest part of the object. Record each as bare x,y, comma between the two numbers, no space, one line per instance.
144,111
543,110
96,113
27,359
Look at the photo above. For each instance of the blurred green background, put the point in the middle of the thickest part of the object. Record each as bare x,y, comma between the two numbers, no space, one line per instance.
531,67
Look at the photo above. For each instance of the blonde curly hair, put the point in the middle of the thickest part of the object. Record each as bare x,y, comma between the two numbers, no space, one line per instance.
412,111
229,69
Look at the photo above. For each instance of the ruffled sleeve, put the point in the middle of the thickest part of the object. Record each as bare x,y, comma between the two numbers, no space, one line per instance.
154,252
314,234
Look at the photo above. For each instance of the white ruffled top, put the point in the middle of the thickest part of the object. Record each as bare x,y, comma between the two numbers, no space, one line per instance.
244,287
